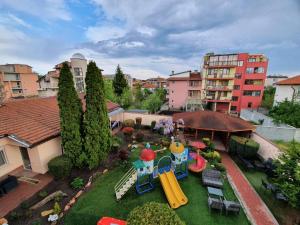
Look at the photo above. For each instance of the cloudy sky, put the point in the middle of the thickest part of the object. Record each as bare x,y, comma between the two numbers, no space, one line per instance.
149,37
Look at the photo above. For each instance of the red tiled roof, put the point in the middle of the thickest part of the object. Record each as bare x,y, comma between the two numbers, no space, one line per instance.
33,120
209,120
147,85
290,81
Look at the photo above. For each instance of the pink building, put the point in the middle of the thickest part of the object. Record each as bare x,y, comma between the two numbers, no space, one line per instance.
184,90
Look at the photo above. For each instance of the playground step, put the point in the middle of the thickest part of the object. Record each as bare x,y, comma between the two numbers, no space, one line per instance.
125,183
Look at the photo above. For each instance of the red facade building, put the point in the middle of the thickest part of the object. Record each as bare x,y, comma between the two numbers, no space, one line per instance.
234,81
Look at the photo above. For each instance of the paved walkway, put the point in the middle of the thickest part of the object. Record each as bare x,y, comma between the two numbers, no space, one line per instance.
255,209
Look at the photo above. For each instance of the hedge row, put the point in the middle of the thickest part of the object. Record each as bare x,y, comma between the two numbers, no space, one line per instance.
245,147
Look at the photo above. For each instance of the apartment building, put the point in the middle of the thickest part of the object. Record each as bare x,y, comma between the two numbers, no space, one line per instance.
233,81
288,89
48,84
19,81
273,79
185,90
158,82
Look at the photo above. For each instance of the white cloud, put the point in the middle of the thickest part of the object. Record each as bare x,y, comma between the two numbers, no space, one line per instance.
102,33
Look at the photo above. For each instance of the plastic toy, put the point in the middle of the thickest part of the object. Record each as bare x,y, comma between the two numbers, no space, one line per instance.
111,221
200,164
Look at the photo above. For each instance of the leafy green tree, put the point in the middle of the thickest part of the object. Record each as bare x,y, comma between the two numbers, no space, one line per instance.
288,174
119,82
125,100
97,139
147,93
268,97
70,109
161,93
286,112
152,103
109,90
138,95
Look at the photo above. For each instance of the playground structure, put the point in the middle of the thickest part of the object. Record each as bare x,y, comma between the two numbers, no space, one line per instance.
145,170
200,164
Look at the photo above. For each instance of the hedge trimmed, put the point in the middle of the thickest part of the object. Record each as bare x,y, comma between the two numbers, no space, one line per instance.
128,123
60,167
154,213
245,147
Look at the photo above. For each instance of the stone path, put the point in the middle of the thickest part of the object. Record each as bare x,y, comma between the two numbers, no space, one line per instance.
255,209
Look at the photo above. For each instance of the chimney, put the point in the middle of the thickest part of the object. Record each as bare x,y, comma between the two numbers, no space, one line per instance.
172,72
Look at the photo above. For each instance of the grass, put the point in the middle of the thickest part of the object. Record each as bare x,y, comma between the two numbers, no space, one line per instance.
100,201
284,214
284,145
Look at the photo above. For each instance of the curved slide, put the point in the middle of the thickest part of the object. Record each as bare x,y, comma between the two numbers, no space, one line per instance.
174,194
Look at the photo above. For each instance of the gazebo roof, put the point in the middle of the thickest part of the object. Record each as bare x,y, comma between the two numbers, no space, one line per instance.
215,121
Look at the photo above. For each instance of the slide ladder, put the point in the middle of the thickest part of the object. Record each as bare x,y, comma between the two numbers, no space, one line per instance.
172,189
125,183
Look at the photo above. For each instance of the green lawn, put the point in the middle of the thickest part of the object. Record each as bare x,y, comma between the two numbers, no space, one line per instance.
100,201
283,145
283,213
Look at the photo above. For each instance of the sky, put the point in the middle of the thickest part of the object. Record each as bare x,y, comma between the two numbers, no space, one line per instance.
149,38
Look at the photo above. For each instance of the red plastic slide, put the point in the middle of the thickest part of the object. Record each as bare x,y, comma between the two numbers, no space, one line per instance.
111,221
199,165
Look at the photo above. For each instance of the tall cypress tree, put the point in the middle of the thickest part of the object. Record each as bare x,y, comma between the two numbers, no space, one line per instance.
97,140
119,82
70,109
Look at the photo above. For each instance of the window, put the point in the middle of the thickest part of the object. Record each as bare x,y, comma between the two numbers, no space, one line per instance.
2,157
240,63
249,104
236,87
233,108
78,72
235,98
238,76
225,94
11,76
250,70
252,93
252,60
79,84
253,82
194,83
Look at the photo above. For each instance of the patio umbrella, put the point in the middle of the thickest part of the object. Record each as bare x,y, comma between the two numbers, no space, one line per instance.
198,145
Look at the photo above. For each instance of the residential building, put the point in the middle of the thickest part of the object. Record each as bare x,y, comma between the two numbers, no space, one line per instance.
288,89
149,86
273,79
48,84
127,77
158,82
30,133
185,90
19,81
233,81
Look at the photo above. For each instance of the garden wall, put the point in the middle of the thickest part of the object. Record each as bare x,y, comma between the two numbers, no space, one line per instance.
146,118
266,149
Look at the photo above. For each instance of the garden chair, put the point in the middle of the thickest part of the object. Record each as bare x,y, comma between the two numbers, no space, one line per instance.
232,206
281,197
215,203
269,186
212,178
246,163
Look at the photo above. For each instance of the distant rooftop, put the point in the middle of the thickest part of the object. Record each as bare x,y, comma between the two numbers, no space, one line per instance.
290,81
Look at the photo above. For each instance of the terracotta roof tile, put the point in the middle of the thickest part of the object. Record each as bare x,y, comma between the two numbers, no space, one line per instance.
34,120
209,120
290,81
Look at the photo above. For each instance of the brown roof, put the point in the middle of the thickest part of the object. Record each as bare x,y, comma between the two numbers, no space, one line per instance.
193,76
209,120
33,120
290,81
148,85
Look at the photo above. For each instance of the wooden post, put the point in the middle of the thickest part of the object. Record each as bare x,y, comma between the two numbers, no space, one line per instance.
196,134
212,135
227,140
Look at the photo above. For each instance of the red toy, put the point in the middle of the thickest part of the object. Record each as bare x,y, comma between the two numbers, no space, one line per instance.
111,221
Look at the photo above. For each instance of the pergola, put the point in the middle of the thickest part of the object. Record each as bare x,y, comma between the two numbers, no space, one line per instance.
214,123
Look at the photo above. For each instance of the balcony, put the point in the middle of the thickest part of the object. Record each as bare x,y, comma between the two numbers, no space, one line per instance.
17,88
220,77
219,87
212,98
222,64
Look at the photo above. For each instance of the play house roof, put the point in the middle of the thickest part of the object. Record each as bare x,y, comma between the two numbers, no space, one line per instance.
198,144
176,147
147,155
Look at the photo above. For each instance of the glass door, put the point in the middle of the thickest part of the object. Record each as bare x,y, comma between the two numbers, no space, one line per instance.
25,157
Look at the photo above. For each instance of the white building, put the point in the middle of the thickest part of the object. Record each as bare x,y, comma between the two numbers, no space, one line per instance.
273,79
127,77
288,89
48,84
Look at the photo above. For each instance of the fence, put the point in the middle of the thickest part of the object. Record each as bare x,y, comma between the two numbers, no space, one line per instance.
269,129
266,148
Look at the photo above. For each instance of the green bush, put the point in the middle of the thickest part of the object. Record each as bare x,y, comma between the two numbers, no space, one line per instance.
206,141
245,147
56,208
139,136
153,123
43,194
154,213
165,142
212,156
220,167
60,167
77,183
116,143
128,123
37,222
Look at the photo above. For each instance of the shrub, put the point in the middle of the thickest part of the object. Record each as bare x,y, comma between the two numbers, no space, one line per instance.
56,208
60,167
116,143
161,130
153,123
24,205
128,131
165,142
245,147
124,154
128,123
43,194
77,183
206,141
37,222
138,122
139,136
13,216
220,167
154,213
212,156
58,198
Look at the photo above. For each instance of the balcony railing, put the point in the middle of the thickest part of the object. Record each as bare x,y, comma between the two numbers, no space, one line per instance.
223,63
220,76
16,88
222,98
219,87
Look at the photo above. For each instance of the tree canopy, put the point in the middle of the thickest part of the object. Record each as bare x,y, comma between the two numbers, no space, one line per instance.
286,112
268,97
97,139
119,82
70,109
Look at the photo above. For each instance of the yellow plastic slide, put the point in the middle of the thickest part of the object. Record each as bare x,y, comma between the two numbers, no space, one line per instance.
174,194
